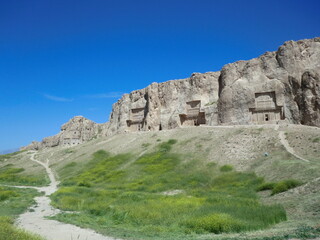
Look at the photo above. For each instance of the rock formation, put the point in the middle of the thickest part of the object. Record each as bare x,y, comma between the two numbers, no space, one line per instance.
76,131
277,86
165,105
292,73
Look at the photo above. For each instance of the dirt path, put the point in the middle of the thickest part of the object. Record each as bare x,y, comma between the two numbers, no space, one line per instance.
287,146
35,221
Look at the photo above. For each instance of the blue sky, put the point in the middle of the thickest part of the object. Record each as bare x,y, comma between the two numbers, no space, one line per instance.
64,58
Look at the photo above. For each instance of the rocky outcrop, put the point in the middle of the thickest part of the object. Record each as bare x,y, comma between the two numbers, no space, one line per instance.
277,86
76,131
292,73
308,98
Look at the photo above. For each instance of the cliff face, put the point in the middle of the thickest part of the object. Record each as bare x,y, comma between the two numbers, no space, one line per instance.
292,73
161,105
281,85
277,86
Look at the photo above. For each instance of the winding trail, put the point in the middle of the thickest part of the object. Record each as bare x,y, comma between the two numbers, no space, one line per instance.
287,146
35,221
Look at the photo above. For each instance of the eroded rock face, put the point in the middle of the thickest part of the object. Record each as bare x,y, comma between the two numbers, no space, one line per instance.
277,86
76,131
292,73
160,105
308,99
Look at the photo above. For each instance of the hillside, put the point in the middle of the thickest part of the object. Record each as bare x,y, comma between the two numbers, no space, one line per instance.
173,184
219,155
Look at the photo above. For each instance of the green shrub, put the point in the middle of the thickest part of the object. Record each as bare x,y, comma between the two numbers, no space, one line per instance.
145,145
215,223
84,184
69,150
172,141
315,140
278,187
285,185
266,186
226,168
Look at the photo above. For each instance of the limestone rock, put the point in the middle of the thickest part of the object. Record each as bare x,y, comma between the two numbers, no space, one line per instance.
291,74
76,131
161,105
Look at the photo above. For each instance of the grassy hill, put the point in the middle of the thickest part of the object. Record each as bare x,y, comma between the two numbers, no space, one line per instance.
191,183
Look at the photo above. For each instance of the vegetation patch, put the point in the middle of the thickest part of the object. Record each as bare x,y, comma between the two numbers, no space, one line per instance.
215,223
145,145
279,187
6,194
12,203
9,232
15,176
303,232
9,155
127,202
316,140
285,185
226,168
266,186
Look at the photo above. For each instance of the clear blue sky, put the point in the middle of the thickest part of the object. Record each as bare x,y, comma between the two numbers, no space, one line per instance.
64,58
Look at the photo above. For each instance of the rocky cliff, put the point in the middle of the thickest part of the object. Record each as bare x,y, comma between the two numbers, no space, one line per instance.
277,86
292,73
76,131
161,105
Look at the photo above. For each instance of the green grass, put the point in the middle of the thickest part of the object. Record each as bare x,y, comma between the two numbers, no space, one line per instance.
9,232
13,202
129,202
9,155
14,176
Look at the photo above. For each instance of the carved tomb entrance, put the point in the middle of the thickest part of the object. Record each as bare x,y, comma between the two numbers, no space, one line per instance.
135,123
266,109
193,115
